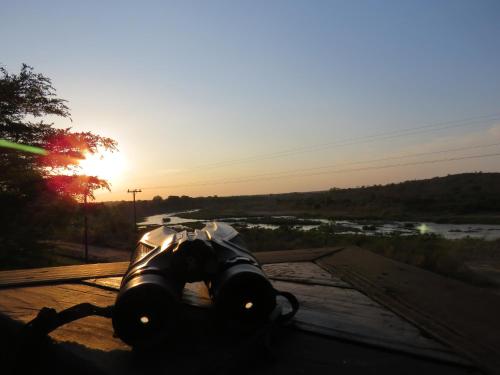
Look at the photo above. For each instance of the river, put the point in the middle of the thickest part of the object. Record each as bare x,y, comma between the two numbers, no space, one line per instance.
371,228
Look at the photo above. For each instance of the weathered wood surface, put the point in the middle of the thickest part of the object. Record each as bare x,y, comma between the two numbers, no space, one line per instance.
298,272
50,275
348,314
295,272
330,307
23,304
304,273
302,255
80,272
463,316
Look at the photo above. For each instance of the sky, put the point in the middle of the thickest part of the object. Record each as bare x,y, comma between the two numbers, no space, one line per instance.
254,97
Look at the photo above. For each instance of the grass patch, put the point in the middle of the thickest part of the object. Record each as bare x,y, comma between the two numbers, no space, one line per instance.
430,252
40,255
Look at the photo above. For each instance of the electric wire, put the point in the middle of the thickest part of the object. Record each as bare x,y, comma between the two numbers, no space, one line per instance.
347,170
357,140
405,156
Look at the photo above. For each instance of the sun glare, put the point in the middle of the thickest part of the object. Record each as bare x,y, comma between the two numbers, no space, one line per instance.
105,165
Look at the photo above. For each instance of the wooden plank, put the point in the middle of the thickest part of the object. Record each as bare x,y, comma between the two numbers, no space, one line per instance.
348,309
463,316
298,272
301,255
337,312
79,272
23,304
49,275
90,343
303,272
348,314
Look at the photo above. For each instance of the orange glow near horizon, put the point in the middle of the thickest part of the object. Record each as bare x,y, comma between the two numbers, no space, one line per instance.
106,165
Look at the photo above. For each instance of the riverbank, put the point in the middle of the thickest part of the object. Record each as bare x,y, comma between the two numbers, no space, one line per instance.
474,261
211,214
468,198
455,258
363,226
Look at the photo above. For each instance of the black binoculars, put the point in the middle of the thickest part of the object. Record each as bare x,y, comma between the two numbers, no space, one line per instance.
147,306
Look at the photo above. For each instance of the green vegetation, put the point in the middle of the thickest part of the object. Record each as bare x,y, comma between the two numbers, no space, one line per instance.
272,220
433,253
43,255
40,183
430,252
108,226
461,198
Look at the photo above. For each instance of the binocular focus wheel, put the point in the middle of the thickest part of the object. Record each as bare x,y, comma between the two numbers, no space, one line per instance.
146,311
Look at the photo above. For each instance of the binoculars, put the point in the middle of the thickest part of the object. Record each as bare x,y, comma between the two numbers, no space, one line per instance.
147,308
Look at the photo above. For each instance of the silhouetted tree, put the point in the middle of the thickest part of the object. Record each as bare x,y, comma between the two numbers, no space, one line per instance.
38,162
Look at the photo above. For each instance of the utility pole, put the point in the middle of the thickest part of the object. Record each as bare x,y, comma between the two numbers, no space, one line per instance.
85,224
134,191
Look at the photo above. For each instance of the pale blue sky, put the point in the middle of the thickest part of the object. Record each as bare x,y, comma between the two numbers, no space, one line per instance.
184,84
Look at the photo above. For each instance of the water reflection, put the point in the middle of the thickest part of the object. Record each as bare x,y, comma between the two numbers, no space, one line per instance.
369,228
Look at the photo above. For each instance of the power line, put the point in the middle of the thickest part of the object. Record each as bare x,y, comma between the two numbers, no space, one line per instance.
292,175
374,160
356,140
294,171
352,141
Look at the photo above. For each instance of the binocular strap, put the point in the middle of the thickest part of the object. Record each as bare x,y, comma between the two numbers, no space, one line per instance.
49,319
294,304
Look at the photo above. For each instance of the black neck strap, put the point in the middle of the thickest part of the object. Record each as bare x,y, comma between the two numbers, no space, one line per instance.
49,319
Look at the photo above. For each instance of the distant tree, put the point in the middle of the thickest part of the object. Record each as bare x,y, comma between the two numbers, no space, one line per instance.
157,199
39,162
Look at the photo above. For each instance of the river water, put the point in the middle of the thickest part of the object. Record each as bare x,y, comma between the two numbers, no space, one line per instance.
449,231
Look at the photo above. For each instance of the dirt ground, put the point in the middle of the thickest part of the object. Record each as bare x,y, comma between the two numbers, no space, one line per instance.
96,253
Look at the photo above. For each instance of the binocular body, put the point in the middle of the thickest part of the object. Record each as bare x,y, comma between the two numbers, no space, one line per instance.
147,308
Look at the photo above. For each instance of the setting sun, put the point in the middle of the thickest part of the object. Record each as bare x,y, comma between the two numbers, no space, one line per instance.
105,165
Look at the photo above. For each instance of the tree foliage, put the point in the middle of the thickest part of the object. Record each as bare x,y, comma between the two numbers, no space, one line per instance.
26,99
33,186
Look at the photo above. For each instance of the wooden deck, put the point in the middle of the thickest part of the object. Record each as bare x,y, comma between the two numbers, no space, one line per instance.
338,326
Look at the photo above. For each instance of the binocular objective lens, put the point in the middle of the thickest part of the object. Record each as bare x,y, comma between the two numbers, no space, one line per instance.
146,311
243,295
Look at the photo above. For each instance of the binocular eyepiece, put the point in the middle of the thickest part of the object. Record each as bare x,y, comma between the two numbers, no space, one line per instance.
147,309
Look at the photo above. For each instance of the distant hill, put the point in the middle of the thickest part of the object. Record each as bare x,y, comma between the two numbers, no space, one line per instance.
468,194
467,197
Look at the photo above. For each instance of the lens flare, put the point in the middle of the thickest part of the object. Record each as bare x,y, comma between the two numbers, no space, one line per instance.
20,147
423,228
105,165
